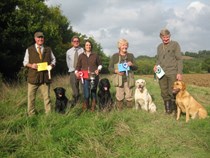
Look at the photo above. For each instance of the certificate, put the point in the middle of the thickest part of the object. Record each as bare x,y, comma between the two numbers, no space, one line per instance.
42,66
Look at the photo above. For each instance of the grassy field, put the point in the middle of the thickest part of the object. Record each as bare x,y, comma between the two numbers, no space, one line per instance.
125,134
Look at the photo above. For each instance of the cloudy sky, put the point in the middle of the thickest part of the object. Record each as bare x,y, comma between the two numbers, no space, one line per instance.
140,21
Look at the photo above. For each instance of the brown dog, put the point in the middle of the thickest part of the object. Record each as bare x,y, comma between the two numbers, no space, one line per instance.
186,103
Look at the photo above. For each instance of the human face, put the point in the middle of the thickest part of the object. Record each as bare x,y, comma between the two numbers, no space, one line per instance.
39,40
123,48
88,47
75,42
165,39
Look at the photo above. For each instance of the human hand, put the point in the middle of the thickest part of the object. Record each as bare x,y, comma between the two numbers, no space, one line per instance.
77,74
130,63
97,72
34,66
179,77
155,68
119,73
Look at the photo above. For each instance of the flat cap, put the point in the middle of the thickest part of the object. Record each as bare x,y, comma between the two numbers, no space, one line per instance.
39,34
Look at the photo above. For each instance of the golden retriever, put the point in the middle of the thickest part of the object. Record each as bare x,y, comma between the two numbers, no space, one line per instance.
143,99
186,103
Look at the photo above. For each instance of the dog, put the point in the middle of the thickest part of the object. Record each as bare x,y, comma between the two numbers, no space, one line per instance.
143,99
62,102
186,103
104,95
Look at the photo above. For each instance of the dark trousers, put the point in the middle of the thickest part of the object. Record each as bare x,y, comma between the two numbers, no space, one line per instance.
166,83
76,85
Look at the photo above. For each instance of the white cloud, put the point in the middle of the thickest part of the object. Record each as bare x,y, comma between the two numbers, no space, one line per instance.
140,22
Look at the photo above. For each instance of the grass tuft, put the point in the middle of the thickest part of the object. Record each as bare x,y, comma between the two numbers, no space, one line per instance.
117,134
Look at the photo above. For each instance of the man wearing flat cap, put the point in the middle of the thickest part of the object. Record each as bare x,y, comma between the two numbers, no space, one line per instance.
38,59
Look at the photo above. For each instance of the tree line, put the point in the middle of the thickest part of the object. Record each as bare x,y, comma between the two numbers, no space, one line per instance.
19,19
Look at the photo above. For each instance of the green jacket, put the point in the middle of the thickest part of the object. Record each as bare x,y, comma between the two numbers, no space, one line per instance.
115,59
170,58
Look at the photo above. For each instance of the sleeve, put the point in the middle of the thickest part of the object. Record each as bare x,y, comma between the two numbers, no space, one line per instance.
157,57
179,59
99,63
133,67
53,59
67,60
26,58
79,63
111,64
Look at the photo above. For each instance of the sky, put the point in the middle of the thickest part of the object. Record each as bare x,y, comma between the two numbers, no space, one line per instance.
140,22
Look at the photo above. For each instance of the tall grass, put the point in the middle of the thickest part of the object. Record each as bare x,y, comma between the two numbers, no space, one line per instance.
124,134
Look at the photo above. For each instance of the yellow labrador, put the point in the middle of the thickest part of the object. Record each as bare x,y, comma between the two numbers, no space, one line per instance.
143,99
186,103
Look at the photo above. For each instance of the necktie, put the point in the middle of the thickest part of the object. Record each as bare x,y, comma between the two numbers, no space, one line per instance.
40,53
75,57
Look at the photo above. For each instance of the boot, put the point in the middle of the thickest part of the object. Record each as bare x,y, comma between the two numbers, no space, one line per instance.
168,106
85,105
93,105
129,104
119,105
174,107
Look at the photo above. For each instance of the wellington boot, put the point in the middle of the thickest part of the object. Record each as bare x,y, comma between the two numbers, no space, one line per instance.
85,105
168,106
129,104
174,107
93,106
119,105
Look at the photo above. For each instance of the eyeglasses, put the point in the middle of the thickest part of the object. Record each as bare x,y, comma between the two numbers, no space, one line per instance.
76,41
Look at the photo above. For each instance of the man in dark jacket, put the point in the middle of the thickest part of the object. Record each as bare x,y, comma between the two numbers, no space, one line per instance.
40,60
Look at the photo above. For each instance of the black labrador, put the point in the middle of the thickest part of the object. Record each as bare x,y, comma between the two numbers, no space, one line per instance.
104,96
62,102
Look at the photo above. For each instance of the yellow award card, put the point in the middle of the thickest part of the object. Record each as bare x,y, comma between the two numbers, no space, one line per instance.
42,66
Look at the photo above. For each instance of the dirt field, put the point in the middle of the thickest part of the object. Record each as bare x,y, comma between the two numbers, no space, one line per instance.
202,80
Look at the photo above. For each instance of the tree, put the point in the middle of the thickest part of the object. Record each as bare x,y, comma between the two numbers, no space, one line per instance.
19,20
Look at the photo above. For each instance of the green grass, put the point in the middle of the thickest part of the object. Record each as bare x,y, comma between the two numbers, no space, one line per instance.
125,134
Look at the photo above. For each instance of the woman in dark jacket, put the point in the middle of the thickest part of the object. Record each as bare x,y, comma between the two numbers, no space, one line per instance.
89,62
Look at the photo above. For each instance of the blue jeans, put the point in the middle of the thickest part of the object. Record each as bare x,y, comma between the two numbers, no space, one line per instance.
89,90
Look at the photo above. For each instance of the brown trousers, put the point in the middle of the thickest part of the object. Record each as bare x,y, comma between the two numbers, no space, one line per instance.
124,92
45,91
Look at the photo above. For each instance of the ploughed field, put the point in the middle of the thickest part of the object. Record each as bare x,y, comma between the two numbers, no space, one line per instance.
202,80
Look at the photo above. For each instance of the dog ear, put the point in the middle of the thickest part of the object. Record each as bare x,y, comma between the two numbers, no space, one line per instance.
109,85
55,89
64,90
183,86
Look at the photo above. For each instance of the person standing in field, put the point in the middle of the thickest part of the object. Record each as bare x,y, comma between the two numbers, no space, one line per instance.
89,62
169,57
123,80
36,55
71,59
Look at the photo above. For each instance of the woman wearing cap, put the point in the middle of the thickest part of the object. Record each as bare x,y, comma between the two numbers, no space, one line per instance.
169,58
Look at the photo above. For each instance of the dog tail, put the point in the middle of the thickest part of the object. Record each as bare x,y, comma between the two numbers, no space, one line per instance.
202,113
